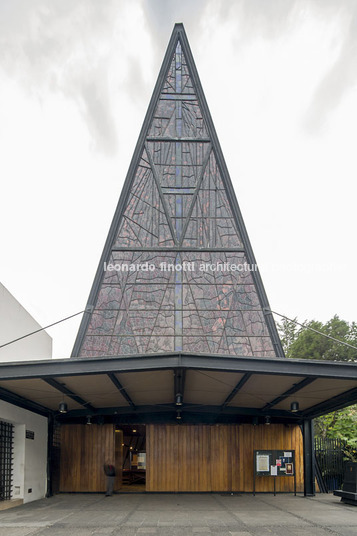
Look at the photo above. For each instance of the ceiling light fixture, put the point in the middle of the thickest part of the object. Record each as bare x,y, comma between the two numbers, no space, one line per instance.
62,408
178,399
294,407
267,420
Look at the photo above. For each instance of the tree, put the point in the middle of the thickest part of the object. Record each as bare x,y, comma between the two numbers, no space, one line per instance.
302,343
288,332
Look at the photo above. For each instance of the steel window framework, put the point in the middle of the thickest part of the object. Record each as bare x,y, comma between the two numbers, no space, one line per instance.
6,456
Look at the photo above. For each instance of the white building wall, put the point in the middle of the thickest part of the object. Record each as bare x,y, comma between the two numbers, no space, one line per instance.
30,455
15,322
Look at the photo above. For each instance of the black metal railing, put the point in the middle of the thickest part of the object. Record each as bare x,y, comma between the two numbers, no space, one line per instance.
6,454
330,463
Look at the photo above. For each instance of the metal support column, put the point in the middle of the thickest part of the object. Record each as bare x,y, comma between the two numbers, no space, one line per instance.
49,491
309,468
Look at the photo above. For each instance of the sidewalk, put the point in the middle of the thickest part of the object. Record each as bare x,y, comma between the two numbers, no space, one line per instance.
181,515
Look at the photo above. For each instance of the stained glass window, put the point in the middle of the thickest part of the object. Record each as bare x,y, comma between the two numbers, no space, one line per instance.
172,281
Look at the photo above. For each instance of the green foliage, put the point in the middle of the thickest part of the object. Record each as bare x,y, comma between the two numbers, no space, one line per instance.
301,343
288,332
340,424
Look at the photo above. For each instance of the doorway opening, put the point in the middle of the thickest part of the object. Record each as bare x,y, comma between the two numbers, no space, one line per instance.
130,448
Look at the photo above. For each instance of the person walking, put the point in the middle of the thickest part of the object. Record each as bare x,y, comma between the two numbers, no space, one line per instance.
109,470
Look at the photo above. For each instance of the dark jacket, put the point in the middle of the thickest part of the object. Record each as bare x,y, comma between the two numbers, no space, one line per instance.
109,470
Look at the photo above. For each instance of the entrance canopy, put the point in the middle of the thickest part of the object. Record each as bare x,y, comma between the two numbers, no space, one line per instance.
203,388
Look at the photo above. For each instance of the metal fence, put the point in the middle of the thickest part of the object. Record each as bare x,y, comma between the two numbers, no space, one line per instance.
330,463
6,452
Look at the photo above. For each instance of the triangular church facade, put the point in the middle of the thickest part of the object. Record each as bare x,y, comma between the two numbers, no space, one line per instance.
177,273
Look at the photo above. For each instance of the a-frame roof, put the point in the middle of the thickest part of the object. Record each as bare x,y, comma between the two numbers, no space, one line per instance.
178,273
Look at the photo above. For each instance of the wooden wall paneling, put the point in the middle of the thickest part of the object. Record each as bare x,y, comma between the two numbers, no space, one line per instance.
204,473
98,438
69,461
214,456
163,453
86,473
196,456
234,455
160,454
84,450
162,446
171,482
299,458
63,469
189,439
181,457
200,459
153,457
220,469
248,437
228,455
186,458
240,460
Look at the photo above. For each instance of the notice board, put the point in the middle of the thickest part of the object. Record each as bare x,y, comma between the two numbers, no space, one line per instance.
274,463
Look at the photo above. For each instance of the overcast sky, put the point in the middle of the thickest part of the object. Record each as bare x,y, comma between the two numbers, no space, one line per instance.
280,78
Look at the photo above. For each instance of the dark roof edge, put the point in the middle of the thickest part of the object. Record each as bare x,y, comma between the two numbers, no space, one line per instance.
256,365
